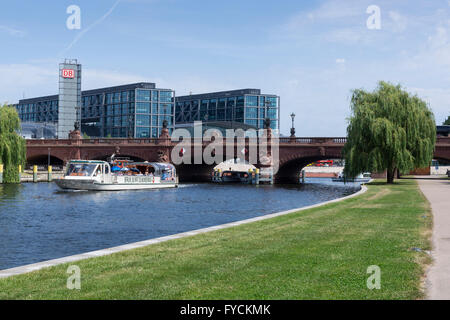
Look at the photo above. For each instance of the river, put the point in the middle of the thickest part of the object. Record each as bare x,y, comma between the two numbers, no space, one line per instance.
39,222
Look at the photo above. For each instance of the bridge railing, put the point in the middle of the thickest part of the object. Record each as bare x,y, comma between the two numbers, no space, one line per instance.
155,141
113,141
313,140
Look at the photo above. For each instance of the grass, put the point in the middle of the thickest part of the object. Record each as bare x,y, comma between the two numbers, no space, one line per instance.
320,253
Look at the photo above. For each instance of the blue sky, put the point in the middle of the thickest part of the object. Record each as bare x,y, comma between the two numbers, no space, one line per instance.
311,53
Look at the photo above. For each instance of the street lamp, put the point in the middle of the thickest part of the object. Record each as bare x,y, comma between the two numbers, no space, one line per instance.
292,129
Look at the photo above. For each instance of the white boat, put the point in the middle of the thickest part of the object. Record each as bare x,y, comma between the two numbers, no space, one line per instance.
99,176
362,177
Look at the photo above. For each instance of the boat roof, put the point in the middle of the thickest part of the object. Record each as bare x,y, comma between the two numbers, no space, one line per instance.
87,161
158,164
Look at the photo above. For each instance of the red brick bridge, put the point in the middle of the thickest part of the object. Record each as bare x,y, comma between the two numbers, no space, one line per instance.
292,153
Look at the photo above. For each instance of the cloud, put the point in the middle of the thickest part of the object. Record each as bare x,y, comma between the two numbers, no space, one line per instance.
12,32
439,100
399,22
340,61
347,36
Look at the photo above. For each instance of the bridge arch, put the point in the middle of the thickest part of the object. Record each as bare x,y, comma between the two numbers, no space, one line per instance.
104,157
291,164
43,160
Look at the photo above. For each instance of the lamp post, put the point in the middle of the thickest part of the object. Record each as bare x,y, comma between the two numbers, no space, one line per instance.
292,129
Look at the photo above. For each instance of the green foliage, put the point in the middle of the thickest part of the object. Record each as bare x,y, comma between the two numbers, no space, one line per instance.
389,129
447,122
85,136
12,146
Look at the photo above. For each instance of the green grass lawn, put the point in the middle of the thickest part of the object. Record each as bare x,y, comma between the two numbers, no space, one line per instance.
320,253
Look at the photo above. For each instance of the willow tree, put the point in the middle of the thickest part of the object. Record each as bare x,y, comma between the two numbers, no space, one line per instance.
389,129
447,122
12,146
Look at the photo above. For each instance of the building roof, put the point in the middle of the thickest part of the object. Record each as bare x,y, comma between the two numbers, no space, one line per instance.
443,130
130,86
222,94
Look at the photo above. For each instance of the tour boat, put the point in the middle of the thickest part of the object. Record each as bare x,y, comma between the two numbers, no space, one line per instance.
363,177
101,176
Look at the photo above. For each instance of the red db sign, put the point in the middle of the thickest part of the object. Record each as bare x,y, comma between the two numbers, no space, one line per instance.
68,73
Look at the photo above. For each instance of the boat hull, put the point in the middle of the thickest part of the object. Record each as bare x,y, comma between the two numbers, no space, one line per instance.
68,184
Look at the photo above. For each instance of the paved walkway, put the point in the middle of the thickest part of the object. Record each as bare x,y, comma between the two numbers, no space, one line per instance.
438,277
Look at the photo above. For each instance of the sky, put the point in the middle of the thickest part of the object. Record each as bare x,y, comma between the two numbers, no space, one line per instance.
310,53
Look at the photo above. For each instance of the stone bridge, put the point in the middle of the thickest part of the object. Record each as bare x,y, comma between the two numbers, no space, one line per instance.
289,155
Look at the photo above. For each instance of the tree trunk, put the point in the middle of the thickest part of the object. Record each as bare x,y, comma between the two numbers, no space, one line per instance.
390,175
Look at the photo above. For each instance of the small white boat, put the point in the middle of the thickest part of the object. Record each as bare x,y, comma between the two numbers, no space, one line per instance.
99,176
362,177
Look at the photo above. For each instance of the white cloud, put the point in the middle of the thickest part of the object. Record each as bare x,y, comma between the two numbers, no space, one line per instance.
439,100
340,61
347,36
12,32
399,22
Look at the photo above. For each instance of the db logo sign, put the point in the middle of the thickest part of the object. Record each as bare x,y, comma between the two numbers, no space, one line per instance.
68,73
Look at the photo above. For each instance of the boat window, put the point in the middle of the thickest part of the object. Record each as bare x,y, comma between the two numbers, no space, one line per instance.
81,169
98,171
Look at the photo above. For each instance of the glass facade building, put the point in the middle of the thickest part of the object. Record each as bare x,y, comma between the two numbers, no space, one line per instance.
134,110
246,106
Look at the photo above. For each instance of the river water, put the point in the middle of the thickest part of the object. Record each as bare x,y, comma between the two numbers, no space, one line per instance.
39,222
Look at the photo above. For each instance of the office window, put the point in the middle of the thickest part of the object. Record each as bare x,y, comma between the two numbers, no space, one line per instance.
154,121
251,113
109,98
262,101
116,97
272,113
155,108
239,114
240,102
262,113
124,108
168,118
142,132
154,132
252,122
124,96
252,101
222,102
155,96
165,96
221,114
212,114
143,95
142,107
271,101
204,105
109,110
212,104
166,108
142,120
117,109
